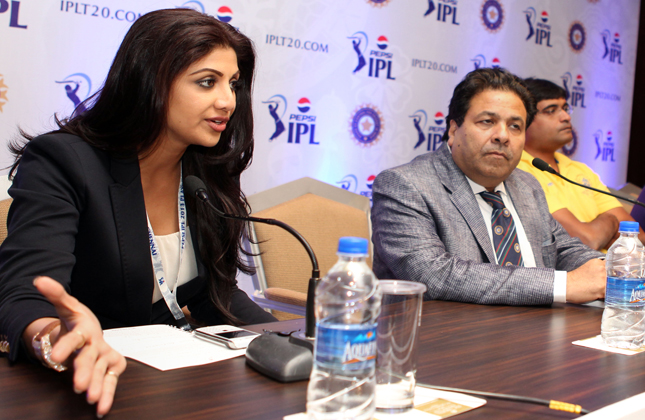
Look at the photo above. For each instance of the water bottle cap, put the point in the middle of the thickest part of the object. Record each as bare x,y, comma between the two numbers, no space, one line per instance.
352,245
628,227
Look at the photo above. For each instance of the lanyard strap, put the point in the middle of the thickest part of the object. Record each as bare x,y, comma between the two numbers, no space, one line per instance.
160,275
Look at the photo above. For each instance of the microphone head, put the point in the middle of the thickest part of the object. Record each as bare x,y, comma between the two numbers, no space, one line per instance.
194,185
543,166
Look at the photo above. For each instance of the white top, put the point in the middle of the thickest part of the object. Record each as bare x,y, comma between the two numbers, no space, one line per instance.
169,250
560,279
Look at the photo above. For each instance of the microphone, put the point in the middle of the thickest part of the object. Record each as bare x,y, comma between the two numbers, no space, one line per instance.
543,166
270,354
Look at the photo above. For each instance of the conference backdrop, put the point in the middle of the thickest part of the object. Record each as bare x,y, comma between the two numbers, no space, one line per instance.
345,89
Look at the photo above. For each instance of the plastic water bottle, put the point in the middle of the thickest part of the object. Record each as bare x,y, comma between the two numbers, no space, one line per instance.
623,321
348,302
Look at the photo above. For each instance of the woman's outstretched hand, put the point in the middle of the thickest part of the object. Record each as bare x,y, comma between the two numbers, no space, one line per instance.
97,366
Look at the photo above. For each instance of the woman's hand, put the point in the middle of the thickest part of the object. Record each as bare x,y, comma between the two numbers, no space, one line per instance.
97,366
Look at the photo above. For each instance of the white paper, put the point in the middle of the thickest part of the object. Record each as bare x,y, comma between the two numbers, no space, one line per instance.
421,396
599,344
164,347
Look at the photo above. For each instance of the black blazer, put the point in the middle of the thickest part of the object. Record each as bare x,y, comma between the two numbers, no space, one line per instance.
79,216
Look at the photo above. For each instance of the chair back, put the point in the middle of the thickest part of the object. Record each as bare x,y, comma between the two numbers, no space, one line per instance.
321,213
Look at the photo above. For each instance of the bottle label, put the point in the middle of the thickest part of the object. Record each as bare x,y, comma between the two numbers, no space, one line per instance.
346,346
629,292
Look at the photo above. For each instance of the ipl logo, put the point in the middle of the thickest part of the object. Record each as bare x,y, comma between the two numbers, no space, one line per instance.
74,92
480,62
542,31
575,92
605,148
275,103
435,131
612,46
445,8
195,5
379,60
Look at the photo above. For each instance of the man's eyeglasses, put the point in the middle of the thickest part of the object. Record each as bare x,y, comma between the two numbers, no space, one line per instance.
552,110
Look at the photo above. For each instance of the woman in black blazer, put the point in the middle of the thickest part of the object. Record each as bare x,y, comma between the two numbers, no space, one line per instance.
95,200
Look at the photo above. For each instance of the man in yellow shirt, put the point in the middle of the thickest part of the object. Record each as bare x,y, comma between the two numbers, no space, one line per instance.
591,216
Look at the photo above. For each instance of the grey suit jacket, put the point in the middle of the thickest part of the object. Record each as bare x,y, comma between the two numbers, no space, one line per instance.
427,227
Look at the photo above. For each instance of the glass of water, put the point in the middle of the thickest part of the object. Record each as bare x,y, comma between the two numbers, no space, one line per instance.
397,337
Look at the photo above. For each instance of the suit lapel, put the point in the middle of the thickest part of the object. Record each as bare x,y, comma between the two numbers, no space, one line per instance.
463,198
129,212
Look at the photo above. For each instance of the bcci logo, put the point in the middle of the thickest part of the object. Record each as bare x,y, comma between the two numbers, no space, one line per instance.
492,15
577,36
480,62
378,3
434,131
3,93
366,125
78,87
570,148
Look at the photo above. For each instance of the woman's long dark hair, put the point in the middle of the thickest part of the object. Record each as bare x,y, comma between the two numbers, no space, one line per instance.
128,114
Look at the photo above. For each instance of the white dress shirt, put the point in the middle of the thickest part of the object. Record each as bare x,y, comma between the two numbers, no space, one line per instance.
560,278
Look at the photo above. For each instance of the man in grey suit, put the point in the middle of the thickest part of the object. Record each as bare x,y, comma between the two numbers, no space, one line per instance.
432,218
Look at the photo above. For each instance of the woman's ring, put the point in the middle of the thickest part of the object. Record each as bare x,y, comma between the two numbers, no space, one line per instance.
111,372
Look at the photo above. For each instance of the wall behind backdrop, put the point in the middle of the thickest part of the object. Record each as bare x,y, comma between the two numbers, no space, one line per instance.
345,89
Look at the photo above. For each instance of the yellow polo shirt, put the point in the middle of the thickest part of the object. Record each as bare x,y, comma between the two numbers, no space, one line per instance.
585,204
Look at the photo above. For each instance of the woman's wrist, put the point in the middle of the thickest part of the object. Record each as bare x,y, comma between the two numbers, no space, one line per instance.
42,345
33,329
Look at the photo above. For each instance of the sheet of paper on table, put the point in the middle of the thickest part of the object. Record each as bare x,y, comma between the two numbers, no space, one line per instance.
429,404
164,347
598,343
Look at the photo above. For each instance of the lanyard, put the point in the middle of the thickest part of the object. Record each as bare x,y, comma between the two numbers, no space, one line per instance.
157,265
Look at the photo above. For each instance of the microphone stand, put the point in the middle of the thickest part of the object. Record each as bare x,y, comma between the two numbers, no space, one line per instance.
543,166
286,359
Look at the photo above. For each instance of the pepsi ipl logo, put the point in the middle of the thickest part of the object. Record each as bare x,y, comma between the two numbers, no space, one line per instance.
434,131
380,61
604,146
446,9
612,47
13,14
538,28
575,91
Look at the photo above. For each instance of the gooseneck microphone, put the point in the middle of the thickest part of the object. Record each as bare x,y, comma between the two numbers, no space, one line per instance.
543,166
282,358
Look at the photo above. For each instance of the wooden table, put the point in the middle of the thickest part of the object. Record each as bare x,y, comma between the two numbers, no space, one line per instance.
516,350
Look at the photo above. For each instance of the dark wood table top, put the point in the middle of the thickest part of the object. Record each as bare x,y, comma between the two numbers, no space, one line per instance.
515,350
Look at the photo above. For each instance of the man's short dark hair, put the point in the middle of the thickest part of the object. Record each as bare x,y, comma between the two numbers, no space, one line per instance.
482,79
542,89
